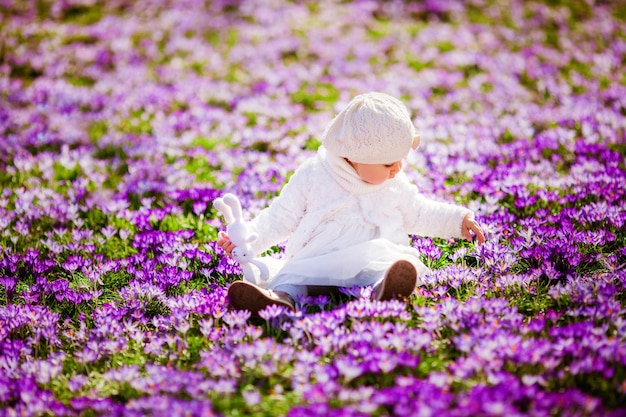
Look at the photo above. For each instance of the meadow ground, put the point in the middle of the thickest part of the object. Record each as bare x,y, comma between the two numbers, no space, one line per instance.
121,121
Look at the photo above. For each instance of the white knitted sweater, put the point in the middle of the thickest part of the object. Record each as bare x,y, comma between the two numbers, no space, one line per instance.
325,184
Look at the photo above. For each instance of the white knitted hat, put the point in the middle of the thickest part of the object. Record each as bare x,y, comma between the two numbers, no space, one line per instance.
375,128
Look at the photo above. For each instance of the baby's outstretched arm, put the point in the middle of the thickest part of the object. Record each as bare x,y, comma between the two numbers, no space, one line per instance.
469,226
225,243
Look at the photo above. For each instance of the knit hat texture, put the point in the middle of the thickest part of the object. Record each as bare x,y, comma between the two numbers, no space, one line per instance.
374,128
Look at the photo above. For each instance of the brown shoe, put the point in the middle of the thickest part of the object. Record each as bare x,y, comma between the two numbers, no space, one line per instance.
399,282
243,295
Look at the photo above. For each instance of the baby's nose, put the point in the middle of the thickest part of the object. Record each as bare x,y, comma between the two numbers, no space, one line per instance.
395,169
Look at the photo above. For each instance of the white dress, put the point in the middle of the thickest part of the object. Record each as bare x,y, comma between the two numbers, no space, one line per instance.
344,232
353,255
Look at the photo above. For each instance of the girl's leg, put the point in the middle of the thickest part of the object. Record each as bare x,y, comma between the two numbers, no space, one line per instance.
293,290
398,283
243,295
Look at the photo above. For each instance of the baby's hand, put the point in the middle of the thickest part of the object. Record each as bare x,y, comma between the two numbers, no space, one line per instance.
225,243
469,226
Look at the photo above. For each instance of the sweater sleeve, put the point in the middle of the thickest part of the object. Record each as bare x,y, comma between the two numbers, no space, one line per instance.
275,223
426,217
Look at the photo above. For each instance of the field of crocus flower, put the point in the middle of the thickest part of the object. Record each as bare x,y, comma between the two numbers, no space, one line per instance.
121,121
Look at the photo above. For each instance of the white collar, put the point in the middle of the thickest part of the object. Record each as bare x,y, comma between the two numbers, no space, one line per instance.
345,175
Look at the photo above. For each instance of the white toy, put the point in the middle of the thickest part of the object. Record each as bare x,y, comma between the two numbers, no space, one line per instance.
239,233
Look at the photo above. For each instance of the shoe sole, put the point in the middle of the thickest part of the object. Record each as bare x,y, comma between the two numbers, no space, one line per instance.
399,282
243,295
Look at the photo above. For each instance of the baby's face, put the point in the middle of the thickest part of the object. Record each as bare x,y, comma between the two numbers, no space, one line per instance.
376,173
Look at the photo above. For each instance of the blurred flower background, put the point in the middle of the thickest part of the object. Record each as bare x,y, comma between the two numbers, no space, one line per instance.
121,121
